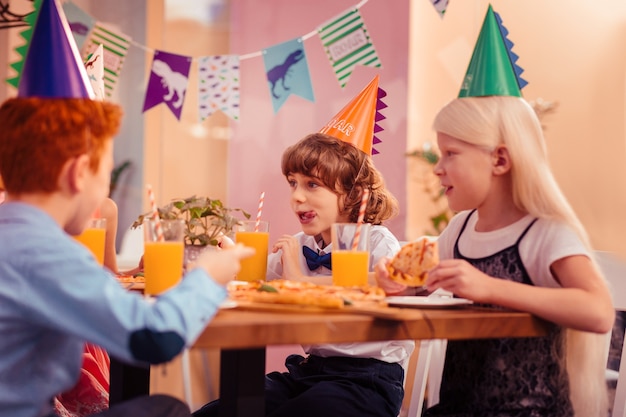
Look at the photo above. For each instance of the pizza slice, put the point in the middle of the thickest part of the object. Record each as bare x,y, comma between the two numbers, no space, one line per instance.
283,291
411,264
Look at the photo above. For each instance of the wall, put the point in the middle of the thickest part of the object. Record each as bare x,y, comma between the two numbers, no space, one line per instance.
259,139
572,53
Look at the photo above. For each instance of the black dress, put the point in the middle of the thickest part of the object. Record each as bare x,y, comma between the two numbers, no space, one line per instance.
508,377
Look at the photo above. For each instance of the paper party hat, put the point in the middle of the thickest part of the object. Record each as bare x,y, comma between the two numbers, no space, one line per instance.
52,67
357,122
493,70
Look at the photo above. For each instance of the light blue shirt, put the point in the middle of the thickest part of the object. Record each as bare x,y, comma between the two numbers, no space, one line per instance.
54,297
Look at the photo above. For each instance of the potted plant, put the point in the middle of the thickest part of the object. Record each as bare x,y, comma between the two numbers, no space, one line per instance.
207,221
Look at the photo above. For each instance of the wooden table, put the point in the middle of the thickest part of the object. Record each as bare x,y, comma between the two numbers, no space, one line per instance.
243,335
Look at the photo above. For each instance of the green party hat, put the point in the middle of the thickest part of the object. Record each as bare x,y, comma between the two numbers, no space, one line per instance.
493,70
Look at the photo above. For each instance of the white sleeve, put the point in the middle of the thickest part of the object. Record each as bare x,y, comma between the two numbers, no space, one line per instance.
546,242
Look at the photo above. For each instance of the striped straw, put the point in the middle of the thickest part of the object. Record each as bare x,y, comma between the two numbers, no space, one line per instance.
258,213
155,215
359,222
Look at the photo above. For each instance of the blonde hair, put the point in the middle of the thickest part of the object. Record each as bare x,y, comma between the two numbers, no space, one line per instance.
511,121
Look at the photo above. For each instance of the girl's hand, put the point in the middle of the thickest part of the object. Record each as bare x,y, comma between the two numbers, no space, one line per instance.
462,279
383,280
290,257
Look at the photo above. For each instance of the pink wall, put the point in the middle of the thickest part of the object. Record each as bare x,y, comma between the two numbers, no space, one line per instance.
260,136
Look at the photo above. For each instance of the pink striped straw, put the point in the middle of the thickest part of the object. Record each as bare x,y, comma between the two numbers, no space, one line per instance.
258,213
359,222
155,215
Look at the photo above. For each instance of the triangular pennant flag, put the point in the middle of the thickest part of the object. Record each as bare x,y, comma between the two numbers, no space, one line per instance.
168,81
493,69
287,72
95,71
115,47
218,89
440,6
348,44
356,123
26,34
52,67
80,22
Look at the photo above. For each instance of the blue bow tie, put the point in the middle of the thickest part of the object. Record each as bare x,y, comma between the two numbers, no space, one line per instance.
314,260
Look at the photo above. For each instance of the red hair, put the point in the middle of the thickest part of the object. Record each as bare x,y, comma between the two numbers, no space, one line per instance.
38,136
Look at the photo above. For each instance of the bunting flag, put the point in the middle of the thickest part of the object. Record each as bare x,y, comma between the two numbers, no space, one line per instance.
218,78
287,72
348,44
440,6
26,34
95,71
493,69
168,81
80,22
115,47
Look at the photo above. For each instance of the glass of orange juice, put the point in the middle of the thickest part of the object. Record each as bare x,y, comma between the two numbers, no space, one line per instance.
253,268
93,237
163,259
350,264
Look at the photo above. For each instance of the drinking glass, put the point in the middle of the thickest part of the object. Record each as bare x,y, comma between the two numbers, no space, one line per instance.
93,237
253,268
163,259
350,261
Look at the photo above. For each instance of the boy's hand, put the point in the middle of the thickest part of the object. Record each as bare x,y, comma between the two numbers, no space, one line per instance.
290,257
223,265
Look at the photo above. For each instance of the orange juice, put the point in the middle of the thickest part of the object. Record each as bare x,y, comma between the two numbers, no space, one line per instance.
253,268
350,268
93,239
163,265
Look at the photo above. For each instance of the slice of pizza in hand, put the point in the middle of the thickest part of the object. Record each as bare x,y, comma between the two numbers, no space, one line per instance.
411,264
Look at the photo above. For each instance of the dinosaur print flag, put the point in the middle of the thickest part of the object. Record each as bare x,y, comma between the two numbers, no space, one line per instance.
287,72
115,47
80,22
95,71
348,44
168,81
218,89
440,6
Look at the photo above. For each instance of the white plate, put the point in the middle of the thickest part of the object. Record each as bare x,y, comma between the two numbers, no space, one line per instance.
426,302
228,304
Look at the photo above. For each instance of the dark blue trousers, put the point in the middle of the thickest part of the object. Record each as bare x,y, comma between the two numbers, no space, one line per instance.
336,386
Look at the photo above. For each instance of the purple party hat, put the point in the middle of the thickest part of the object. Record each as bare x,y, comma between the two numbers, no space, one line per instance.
52,67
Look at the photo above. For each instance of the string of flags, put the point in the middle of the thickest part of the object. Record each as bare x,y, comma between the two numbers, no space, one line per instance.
344,38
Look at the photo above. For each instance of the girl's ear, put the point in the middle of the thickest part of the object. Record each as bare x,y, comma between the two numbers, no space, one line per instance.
501,160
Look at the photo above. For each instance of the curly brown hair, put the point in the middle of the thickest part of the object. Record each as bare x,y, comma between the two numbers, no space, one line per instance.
346,171
38,136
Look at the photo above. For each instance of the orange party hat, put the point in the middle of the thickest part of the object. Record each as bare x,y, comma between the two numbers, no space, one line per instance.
356,123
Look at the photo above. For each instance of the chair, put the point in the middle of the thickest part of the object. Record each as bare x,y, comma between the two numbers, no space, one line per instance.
428,371
614,269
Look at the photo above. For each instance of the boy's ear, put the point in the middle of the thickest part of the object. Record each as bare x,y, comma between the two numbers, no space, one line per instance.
501,160
74,174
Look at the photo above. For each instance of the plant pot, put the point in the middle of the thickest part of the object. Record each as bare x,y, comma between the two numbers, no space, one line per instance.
193,251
